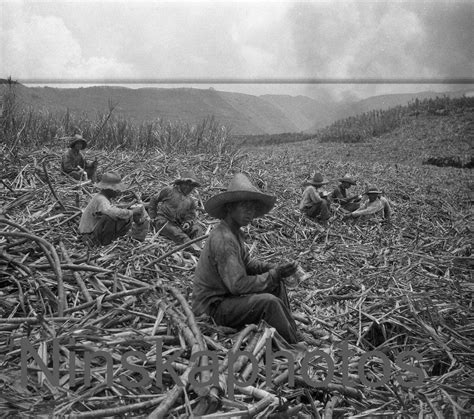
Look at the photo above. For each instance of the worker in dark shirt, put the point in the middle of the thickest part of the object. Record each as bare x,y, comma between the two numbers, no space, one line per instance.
74,164
173,210
232,288
339,194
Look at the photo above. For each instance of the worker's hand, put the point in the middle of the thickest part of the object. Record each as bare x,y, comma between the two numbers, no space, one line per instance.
186,226
284,270
137,213
138,210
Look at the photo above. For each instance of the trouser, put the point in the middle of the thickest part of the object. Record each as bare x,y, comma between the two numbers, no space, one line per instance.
91,169
239,311
351,206
140,230
174,232
319,211
107,230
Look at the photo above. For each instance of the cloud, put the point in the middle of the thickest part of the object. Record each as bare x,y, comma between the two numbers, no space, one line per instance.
43,47
382,40
447,48
356,40
116,39
206,40
148,40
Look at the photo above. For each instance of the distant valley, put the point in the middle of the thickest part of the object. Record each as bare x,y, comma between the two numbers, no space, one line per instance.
244,114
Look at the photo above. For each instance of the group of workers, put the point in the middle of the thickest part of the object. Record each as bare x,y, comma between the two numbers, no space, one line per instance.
316,203
229,286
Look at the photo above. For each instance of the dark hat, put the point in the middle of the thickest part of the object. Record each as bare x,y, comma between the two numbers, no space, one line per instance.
188,177
76,139
317,180
240,189
347,178
112,181
373,190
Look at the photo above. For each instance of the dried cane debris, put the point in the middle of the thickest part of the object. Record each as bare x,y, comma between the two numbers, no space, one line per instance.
377,292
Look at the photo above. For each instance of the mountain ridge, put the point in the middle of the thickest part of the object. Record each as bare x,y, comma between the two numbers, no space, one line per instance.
244,114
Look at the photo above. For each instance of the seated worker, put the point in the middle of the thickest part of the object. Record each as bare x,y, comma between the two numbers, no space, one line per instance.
101,222
339,195
314,204
176,214
229,286
375,205
74,164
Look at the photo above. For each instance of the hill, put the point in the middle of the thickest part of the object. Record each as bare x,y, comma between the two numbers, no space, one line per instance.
382,102
306,113
245,114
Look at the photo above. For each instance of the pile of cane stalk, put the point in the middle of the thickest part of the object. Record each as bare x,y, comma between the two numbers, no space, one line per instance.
384,287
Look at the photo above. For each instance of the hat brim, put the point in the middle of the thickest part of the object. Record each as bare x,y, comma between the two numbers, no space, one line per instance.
187,180
373,193
310,182
214,206
84,143
352,182
120,187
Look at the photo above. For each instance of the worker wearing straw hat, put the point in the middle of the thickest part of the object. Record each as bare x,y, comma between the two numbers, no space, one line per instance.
73,162
175,217
229,286
101,222
339,194
376,205
313,203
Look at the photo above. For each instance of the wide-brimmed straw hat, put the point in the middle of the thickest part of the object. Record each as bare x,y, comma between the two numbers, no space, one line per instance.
188,177
76,139
112,181
316,180
240,189
348,179
373,191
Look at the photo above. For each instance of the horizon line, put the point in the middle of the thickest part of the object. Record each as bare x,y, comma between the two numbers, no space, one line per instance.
177,80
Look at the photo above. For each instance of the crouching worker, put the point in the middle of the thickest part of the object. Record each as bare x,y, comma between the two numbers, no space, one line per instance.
230,287
173,210
101,222
74,164
377,205
339,195
313,203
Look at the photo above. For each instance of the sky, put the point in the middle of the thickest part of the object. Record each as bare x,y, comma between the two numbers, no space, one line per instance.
257,40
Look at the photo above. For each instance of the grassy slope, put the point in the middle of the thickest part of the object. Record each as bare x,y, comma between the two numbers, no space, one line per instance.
383,102
305,112
244,113
258,112
410,144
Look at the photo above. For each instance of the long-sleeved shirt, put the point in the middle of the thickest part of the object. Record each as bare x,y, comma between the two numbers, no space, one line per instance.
339,194
175,206
379,205
225,269
99,205
310,197
71,160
